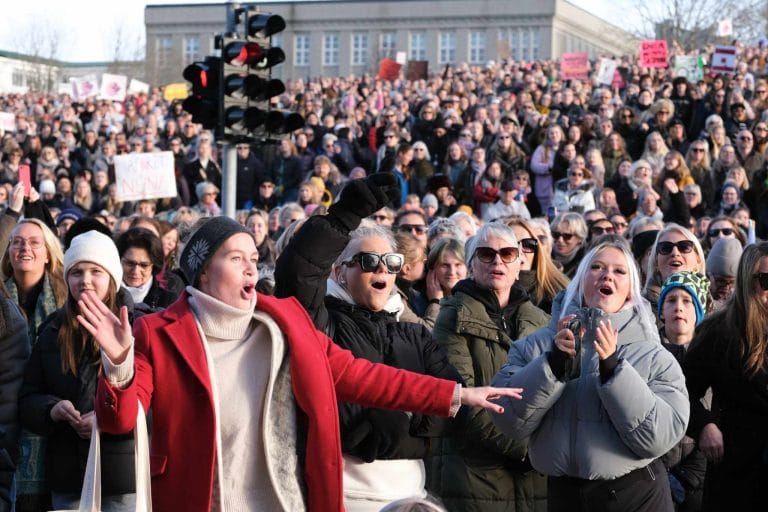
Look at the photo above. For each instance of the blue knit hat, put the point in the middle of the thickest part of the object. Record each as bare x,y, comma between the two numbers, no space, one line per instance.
694,283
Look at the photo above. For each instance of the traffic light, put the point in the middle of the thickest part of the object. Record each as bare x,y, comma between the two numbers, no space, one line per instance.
203,103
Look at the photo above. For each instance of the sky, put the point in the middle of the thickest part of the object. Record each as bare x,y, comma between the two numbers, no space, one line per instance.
89,26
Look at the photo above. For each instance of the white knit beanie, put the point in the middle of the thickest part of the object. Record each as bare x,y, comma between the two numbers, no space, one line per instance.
97,248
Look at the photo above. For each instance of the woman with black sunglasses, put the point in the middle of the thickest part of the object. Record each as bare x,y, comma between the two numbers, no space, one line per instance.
344,276
722,227
728,355
480,468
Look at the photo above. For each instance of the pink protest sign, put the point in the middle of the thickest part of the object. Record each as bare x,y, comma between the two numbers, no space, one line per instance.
653,54
574,66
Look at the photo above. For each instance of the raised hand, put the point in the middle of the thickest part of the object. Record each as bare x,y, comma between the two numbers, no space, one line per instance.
113,334
480,397
607,339
564,339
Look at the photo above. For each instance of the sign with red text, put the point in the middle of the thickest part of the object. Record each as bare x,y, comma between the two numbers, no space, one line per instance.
144,176
113,87
724,59
574,66
653,54
84,87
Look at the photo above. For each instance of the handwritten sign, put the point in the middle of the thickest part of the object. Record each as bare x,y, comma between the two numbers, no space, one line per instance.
144,176
7,122
689,66
607,69
653,54
388,69
401,58
574,66
725,27
113,87
724,59
84,87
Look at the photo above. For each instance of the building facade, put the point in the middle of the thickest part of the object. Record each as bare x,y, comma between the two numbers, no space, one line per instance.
343,37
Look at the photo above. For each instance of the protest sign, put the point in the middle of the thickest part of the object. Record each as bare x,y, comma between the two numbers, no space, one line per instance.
138,87
417,70
574,66
388,69
606,71
7,121
84,87
64,88
724,59
113,87
653,54
503,49
401,58
144,176
725,27
176,91
690,67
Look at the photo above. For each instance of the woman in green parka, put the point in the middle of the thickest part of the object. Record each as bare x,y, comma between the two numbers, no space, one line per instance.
479,468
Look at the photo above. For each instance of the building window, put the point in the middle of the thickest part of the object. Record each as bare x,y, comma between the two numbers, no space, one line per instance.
447,47
525,44
17,78
418,46
331,50
477,47
535,40
388,45
163,51
359,49
277,40
301,50
191,49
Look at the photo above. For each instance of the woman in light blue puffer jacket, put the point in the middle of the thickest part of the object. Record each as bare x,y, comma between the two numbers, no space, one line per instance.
597,422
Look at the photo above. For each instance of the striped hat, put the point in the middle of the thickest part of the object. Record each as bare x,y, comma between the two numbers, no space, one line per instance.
694,283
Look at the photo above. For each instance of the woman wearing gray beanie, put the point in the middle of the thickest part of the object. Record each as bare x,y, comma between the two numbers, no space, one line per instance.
243,388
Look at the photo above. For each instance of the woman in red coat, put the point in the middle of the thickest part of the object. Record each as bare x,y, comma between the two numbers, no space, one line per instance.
243,388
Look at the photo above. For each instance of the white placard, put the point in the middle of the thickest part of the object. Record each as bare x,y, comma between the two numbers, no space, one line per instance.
138,87
724,59
84,87
145,176
607,69
7,121
401,58
113,87
725,27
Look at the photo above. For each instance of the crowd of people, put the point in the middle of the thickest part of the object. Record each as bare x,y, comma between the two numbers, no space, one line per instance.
570,281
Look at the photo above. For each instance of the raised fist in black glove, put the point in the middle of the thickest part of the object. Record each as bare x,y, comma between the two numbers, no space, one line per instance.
361,198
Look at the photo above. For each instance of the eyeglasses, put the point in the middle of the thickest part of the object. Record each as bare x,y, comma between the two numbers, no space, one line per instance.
716,232
761,129
565,236
761,91
418,229
210,193
744,138
33,243
762,279
698,150
620,225
627,116
370,261
418,149
664,112
665,248
488,255
529,245
504,137
520,178
576,174
389,136
142,265
602,230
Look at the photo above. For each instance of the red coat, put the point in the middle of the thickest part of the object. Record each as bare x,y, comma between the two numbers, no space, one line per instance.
171,377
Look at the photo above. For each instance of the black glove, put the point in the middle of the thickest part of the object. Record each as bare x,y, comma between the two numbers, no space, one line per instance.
361,198
384,435
558,362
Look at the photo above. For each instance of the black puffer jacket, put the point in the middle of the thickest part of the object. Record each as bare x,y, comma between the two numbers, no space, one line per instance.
66,455
302,271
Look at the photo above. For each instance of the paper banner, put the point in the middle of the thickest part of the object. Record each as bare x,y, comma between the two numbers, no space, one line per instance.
7,121
653,54
607,69
725,27
724,59
144,176
177,91
388,69
138,87
574,66
84,87
113,87
401,58
690,67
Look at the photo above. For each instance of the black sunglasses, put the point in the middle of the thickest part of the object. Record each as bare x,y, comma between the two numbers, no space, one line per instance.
565,236
716,232
419,229
602,230
488,255
762,279
529,245
665,248
370,261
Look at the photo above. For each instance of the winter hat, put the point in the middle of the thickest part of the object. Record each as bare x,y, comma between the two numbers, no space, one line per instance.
68,214
641,242
203,244
733,185
694,283
47,187
97,248
429,200
723,259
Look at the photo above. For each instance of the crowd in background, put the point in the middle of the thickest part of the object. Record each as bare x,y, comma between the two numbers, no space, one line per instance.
513,188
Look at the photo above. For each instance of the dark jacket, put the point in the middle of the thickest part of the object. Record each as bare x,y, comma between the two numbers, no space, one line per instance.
66,453
195,173
738,482
480,468
159,298
14,351
302,271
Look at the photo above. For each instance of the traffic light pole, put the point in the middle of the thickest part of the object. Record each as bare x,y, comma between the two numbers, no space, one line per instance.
229,179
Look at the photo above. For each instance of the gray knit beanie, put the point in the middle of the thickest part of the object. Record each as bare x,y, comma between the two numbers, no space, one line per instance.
723,259
204,242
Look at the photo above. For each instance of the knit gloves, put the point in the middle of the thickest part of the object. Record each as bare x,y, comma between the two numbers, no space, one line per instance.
362,197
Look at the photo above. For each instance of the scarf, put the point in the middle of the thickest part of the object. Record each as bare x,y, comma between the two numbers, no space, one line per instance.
394,303
46,304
